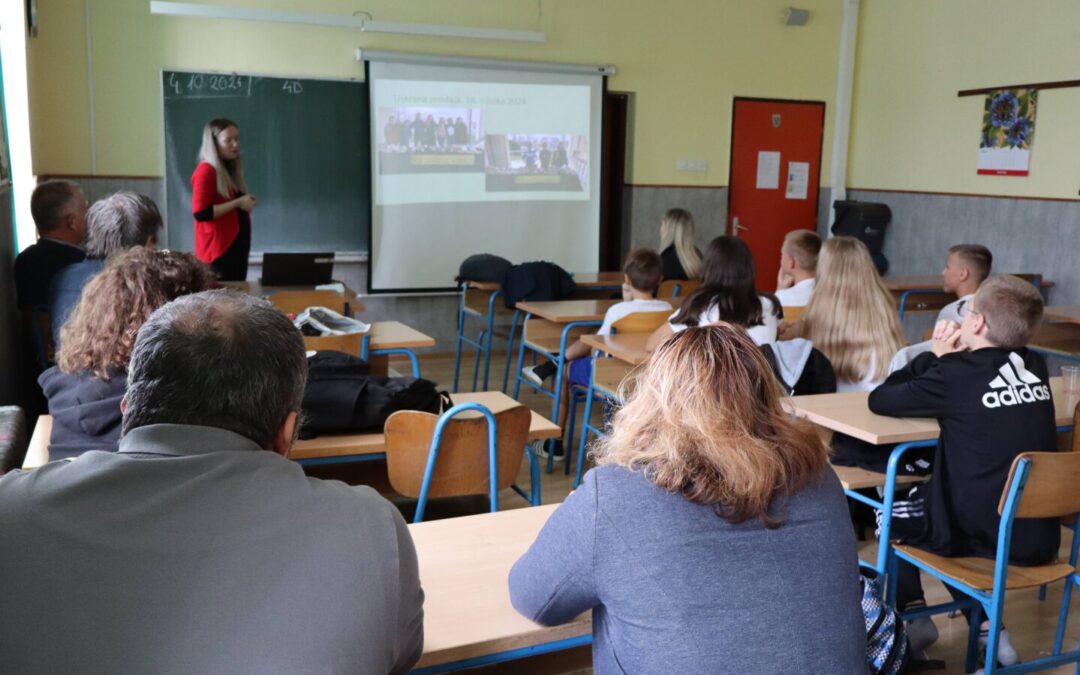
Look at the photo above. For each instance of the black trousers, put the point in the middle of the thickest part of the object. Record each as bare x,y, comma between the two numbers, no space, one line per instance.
232,265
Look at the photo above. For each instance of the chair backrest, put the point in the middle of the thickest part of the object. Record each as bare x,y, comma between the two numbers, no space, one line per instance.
294,302
677,288
462,466
348,343
641,322
1050,489
793,313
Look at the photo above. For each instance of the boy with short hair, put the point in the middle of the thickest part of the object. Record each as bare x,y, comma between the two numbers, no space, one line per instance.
991,396
642,274
965,268
798,267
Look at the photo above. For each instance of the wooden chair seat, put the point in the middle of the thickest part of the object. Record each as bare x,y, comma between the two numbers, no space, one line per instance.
854,478
979,572
793,313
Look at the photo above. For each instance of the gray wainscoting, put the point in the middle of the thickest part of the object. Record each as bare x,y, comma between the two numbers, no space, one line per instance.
1025,235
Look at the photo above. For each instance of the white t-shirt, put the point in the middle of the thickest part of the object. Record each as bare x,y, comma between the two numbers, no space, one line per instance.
762,335
619,310
951,311
798,295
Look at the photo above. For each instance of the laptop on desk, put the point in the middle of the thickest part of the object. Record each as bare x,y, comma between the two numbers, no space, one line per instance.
297,269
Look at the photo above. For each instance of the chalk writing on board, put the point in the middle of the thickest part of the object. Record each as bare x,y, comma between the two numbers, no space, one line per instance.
198,85
292,87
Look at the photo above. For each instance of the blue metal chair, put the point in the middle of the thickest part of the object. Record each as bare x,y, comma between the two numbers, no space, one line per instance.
430,456
482,343
1040,485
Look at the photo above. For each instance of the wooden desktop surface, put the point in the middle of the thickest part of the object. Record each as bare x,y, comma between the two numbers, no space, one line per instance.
626,347
926,282
256,288
567,311
464,566
599,280
849,413
1066,313
396,335
329,445
1062,339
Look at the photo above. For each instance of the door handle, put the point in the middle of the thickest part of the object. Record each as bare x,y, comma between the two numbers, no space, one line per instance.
735,227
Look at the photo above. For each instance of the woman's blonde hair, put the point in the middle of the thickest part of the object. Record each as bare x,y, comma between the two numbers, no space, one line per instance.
677,228
230,173
851,317
704,419
99,335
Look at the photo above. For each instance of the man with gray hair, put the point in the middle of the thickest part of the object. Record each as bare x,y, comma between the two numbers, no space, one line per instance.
198,547
113,224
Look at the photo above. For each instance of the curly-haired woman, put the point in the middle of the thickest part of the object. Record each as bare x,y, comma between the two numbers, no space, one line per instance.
85,388
712,536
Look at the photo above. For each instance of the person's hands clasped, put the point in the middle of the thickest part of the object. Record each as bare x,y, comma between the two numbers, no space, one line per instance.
946,339
247,202
784,280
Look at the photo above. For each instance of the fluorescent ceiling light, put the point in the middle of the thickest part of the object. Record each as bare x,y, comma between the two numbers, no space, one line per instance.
340,21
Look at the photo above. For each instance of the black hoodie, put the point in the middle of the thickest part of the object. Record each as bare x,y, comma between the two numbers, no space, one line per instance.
992,404
85,410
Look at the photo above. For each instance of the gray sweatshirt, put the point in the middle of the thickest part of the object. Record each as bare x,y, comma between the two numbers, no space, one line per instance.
676,589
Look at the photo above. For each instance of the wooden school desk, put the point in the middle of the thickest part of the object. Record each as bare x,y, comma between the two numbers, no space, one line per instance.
549,327
849,413
352,305
328,447
1061,339
387,338
904,287
626,347
479,300
468,619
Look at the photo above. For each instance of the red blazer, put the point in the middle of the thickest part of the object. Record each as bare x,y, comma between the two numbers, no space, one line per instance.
212,237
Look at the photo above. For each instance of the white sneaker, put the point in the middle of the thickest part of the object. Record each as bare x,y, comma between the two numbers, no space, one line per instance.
1006,653
529,373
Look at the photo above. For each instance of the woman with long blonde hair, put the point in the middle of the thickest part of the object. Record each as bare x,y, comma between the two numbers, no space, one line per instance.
712,523
85,388
220,203
851,316
681,256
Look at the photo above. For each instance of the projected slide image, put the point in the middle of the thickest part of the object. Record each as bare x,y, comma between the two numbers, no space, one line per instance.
536,162
430,140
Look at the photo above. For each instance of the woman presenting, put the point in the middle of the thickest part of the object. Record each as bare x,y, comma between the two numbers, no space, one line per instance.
220,204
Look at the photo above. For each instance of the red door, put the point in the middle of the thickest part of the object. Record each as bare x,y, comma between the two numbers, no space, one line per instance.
775,172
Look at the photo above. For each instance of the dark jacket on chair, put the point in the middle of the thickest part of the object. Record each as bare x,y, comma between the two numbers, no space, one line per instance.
536,281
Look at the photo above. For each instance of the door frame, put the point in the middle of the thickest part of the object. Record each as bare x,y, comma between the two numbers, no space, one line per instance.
731,150
613,177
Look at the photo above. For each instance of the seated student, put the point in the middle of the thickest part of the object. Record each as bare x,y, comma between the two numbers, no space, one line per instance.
681,256
965,268
85,388
851,317
198,547
727,294
991,396
113,224
641,279
59,210
711,534
798,265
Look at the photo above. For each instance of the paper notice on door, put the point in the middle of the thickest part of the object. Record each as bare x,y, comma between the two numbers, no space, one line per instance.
798,177
768,170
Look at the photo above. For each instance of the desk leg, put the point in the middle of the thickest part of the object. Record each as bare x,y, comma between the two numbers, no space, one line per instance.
521,355
585,423
510,349
460,337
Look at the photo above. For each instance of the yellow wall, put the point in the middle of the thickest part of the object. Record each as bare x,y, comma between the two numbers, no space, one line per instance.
910,131
683,60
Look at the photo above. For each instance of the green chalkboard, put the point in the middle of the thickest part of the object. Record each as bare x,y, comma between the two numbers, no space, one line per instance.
305,145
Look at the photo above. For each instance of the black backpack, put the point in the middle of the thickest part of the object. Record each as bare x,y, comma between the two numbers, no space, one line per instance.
341,396
483,267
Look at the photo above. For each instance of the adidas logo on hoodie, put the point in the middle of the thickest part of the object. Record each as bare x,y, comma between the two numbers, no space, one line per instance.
1015,385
